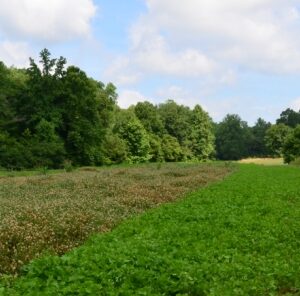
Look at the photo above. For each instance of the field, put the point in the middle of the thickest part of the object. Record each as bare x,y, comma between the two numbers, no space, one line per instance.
240,236
56,212
263,161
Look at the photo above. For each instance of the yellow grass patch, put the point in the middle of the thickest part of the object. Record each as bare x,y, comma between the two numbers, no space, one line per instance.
263,161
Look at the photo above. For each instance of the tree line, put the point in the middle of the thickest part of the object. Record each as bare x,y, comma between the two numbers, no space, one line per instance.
53,116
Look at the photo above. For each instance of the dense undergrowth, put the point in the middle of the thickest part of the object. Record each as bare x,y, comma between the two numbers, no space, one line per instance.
57,212
237,237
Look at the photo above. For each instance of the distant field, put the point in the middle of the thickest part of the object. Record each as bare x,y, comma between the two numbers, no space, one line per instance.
263,161
236,237
57,212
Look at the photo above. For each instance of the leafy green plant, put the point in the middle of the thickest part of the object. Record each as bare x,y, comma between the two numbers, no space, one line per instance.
44,170
68,166
57,212
237,237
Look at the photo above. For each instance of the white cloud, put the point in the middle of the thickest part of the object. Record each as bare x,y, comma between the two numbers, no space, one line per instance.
295,105
54,20
131,97
14,53
121,73
259,34
151,53
228,78
211,40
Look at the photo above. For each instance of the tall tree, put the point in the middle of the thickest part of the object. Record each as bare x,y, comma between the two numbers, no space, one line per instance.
176,120
106,96
291,147
289,117
134,134
275,138
81,124
232,138
12,86
201,138
44,91
5,108
148,114
258,146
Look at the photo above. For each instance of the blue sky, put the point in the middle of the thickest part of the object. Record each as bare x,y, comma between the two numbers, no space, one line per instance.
229,56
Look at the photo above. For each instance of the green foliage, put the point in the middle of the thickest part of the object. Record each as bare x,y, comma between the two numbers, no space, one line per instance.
50,113
232,138
12,85
81,126
291,148
106,98
258,146
42,94
176,120
148,114
275,138
289,117
29,151
114,149
155,151
201,138
171,149
43,147
55,212
5,83
238,237
68,166
137,140
12,153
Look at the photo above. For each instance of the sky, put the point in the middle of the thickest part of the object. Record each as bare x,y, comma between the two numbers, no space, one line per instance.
229,56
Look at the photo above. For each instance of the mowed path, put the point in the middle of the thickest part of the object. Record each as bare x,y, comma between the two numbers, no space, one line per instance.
238,237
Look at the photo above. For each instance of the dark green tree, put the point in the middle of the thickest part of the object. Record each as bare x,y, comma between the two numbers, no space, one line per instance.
12,153
176,119
12,86
106,97
6,112
291,147
114,149
44,92
258,146
44,148
289,117
148,114
81,126
232,138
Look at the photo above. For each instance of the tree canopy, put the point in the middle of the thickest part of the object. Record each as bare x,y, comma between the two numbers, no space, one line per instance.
232,138
52,114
